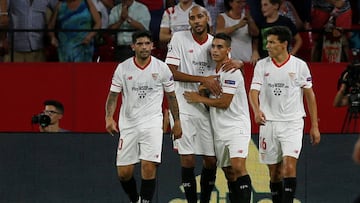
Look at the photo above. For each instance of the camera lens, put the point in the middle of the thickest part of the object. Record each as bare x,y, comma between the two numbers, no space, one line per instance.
42,119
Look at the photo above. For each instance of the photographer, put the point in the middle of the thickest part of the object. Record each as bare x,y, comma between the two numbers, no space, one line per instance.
49,119
349,88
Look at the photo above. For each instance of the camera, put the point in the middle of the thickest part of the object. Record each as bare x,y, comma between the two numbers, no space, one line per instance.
351,78
42,119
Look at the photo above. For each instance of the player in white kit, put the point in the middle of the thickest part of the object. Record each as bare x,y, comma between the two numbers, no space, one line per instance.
276,95
141,80
230,120
189,60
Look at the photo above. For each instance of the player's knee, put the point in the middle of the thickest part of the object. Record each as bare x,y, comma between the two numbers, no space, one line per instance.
209,162
148,170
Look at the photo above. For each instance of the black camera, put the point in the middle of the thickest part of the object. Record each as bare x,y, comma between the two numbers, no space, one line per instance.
351,78
42,119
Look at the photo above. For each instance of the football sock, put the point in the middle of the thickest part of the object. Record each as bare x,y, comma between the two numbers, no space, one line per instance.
189,184
130,189
276,191
147,190
244,184
240,190
207,183
289,189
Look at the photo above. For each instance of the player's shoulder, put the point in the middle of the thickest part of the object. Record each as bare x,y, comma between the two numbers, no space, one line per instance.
297,60
182,33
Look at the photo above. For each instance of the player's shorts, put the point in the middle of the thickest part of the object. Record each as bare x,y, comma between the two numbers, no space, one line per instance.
138,143
235,145
197,136
280,138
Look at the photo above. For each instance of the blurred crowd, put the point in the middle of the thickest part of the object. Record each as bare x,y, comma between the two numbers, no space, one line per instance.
100,30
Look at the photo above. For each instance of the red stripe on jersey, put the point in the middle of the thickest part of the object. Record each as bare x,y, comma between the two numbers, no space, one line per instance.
257,83
198,41
279,65
116,85
142,67
173,57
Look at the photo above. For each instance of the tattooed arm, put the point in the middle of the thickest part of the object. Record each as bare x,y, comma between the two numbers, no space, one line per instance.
110,107
174,108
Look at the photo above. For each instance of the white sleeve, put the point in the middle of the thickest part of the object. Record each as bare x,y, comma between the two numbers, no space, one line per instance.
116,83
165,21
305,76
174,48
168,79
230,81
258,77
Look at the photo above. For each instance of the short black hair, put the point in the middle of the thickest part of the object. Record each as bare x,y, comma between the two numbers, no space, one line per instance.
58,105
282,32
224,37
141,33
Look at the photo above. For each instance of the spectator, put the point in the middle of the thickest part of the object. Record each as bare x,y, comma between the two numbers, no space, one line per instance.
104,14
270,10
78,14
4,23
215,7
28,46
129,14
55,110
238,23
334,16
176,19
287,9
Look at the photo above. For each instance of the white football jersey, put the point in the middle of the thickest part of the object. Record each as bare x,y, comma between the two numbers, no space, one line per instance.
193,58
177,19
226,121
280,86
142,90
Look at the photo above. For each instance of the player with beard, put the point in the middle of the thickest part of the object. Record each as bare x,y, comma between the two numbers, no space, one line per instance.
141,80
190,62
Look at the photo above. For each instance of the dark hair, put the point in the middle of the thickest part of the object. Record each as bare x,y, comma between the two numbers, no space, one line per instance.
58,105
278,2
227,5
224,37
282,32
142,33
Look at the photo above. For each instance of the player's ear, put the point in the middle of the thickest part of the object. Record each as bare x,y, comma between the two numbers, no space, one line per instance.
133,47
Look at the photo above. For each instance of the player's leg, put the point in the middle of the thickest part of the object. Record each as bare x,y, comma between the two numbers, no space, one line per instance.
270,154
208,176
148,181
128,183
127,157
204,145
150,141
242,181
289,178
290,136
276,184
188,177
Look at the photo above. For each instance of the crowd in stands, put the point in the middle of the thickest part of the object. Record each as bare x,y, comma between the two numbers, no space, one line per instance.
100,30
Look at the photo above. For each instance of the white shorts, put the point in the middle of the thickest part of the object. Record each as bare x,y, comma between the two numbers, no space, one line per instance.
235,145
197,137
280,138
137,144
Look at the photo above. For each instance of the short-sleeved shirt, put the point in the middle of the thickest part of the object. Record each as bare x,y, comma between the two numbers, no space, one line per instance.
177,19
280,86
281,21
138,12
142,91
192,57
226,122
24,15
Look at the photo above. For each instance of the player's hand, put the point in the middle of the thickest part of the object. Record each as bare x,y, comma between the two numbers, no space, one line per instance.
232,65
254,58
192,97
260,118
356,153
212,84
111,127
176,130
315,136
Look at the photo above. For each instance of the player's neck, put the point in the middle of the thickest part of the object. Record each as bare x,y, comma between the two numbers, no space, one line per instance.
220,64
185,5
281,58
200,37
142,62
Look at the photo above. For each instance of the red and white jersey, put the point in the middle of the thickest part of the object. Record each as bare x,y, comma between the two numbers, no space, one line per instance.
280,86
177,19
142,90
226,122
192,57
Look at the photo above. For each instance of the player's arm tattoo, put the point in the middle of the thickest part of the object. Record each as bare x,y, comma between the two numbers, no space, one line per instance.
111,103
173,104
